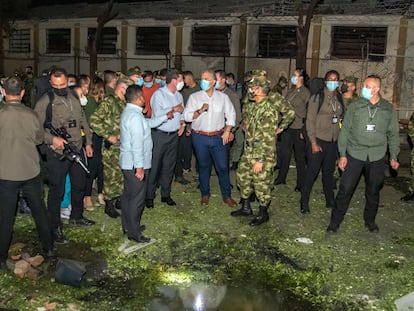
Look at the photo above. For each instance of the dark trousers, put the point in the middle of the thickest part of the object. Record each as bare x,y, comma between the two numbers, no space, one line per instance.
164,158
327,161
291,140
32,190
133,202
210,149
57,176
374,180
95,166
184,155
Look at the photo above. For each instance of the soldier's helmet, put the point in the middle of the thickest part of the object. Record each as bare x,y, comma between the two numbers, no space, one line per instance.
351,79
133,71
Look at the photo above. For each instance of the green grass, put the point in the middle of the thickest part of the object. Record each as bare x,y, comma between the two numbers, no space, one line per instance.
350,270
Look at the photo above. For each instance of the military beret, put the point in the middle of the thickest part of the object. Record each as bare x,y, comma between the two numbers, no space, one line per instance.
124,79
259,73
351,79
133,71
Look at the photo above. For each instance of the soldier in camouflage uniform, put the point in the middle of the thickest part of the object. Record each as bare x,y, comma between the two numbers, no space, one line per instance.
410,195
105,123
261,123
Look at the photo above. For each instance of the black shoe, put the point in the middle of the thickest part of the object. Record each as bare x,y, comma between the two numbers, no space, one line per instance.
149,203
141,239
182,180
330,204
245,209
169,201
118,203
110,208
261,218
47,253
332,228
278,182
408,197
3,265
304,209
81,222
58,236
297,189
234,166
373,227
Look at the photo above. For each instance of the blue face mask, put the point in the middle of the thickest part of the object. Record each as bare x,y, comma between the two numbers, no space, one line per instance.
140,81
160,82
294,80
204,85
332,85
366,93
148,84
217,85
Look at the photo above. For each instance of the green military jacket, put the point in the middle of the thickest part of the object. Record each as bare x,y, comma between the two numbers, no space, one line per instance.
260,122
106,118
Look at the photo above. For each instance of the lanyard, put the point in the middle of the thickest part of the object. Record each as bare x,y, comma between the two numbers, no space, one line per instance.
371,115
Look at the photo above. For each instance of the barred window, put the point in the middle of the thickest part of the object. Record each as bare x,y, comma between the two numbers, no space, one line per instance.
19,41
58,41
152,40
359,42
109,38
277,41
211,40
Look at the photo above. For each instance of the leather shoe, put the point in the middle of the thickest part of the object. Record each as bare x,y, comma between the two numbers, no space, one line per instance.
169,201
297,189
149,203
182,180
332,228
230,202
81,222
140,239
58,236
408,197
205,199
304,209
47,253
373,227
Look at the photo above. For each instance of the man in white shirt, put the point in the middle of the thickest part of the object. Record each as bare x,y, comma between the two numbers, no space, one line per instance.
213,116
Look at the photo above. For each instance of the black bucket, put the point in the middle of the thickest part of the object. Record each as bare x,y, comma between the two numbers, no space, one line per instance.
70,272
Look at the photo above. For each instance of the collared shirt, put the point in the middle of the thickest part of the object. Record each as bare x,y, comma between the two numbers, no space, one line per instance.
136,141
220,111
298,98
369,143
20,132
162,102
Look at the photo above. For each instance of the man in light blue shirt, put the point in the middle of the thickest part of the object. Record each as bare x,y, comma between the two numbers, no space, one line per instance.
165,137
135,160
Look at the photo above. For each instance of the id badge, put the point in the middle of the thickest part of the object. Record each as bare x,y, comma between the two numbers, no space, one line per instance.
72,123
334,119
371,128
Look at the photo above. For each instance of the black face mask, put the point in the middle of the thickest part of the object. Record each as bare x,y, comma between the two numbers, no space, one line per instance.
61,92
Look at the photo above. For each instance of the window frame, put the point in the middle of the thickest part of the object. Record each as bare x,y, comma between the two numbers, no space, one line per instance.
276,43
201,39
149,35
106,48
374,38
26,45
57,46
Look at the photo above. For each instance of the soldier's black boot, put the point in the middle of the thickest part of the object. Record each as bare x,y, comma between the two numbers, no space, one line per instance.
110,208
245,209
262,217
408,197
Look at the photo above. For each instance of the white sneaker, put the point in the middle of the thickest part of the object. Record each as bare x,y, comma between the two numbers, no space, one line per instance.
65,212
101,199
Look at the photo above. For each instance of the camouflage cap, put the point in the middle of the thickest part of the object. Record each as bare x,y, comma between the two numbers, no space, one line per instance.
124,79
133,71
351,79
258,77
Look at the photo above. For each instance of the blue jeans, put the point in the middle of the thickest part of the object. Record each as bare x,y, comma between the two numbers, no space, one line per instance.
209,150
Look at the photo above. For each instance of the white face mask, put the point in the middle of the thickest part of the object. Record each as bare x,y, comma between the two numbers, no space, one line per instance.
1,93
180,85
83,101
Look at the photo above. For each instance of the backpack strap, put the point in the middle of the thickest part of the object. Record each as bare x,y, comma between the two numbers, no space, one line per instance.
48,120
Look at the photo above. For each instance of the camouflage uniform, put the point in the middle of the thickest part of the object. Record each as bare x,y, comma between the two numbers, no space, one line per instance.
260,122
105,122
410,195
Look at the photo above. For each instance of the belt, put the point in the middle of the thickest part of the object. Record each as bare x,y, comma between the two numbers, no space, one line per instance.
209,133
164,132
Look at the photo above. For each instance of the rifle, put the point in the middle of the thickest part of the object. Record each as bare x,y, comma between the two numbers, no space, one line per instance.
70,151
